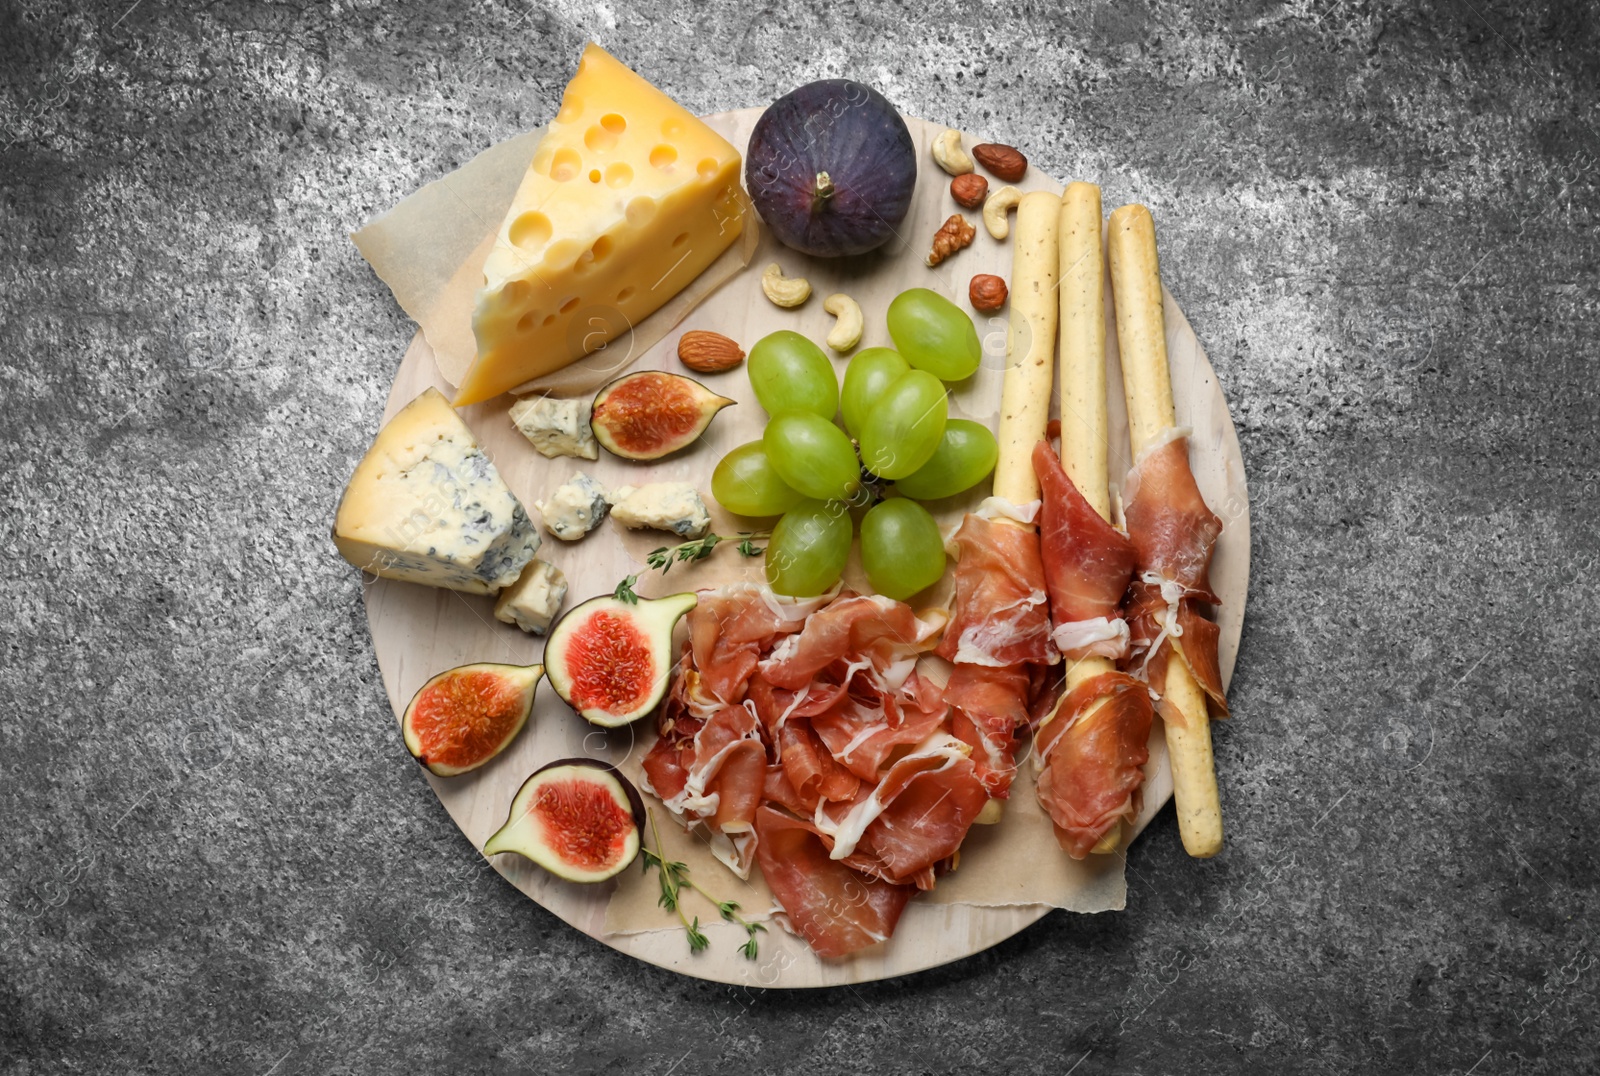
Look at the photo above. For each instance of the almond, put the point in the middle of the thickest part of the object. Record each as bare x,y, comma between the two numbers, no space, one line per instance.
1003,162
707,352
969,190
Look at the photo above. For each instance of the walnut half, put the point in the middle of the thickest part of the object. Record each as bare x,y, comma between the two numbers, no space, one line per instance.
955,234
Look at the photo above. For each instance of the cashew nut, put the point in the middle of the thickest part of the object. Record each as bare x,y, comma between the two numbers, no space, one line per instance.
994,211
783,290
846,332
951,157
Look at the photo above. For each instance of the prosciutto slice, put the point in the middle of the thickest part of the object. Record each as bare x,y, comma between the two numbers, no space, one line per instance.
666,767
989,707
1087,565
710,769
1173,535
728,629
916,815
1196,639
775,705
1001,613
881,630
997,639
1172,531
1095,750
868,722
812,770
837,909
811,744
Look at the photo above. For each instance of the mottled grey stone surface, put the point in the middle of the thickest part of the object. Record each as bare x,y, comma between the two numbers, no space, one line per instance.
214,854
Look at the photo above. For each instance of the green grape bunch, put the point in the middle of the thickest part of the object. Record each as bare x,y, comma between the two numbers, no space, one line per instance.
898,447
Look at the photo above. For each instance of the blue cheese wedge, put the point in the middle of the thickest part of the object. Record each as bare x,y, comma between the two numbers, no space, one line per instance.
532,602
556,427
575,508
426,505
662,506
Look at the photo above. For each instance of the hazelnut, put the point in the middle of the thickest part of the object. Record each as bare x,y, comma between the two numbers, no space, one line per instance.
987,292
969,190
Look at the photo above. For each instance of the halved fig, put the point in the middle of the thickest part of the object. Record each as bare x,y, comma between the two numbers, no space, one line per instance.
577,818
611,660
465,716
646,415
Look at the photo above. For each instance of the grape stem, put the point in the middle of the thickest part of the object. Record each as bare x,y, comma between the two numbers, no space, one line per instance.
871,485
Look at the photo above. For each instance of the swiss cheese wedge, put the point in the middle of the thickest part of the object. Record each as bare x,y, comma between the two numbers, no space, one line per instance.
628,198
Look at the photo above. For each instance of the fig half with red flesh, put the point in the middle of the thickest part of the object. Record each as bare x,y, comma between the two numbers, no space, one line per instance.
578,818
647,415
465,716
611,660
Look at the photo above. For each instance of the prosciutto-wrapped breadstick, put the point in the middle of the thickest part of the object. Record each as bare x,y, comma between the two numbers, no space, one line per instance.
999,639
1174,648
1094,747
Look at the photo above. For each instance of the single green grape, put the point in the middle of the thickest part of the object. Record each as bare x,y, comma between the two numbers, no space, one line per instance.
808,548
790,373
905,426
812,455
901,548
869,373
934,334
746,483
965,456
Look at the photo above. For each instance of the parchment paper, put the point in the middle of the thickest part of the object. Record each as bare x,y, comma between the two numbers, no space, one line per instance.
430,250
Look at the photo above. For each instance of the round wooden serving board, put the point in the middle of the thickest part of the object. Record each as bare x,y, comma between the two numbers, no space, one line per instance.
418,632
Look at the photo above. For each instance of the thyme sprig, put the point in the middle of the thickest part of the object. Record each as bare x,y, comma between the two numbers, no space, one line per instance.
674,876
699,549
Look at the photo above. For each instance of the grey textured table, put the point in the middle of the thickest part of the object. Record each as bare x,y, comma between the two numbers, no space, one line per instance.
215,855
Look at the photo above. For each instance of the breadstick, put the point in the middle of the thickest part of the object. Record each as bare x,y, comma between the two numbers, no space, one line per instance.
1025,394
1083,347
1147,386
1083,387
1083,356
